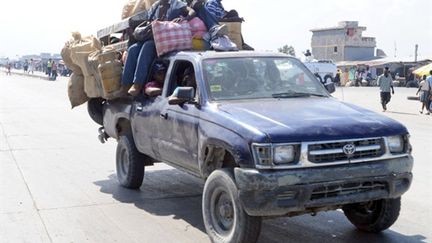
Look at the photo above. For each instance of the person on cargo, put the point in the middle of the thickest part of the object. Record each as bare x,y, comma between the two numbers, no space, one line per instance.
154,88
217,10
141,55
212,23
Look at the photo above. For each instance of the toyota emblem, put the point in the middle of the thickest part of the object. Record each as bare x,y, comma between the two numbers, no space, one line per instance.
349,149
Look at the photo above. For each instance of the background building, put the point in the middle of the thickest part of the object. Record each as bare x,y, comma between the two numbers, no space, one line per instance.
343,43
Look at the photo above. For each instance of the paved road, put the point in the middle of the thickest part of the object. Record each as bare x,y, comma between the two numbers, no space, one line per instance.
58,184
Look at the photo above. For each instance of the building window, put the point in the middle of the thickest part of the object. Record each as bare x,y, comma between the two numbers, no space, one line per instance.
335,49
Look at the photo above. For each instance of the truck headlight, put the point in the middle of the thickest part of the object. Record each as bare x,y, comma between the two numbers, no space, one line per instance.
284,154
396,144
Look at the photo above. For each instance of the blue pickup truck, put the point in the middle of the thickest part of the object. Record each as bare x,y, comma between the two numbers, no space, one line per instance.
268,139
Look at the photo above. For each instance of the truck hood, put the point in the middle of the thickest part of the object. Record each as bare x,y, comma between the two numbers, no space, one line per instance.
311,119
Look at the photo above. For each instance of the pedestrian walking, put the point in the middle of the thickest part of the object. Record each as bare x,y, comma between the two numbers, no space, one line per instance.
424,90
8,68
26,66
49,67
53,71
31,66
429,81
385,83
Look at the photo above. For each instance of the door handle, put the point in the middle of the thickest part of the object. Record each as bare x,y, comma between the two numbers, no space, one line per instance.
164,115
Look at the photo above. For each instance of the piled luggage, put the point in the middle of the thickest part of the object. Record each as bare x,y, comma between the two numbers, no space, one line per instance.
96,71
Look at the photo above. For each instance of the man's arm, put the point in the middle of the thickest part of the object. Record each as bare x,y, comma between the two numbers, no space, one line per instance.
188,12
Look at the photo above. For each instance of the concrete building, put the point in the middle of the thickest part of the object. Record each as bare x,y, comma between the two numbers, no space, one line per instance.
343,43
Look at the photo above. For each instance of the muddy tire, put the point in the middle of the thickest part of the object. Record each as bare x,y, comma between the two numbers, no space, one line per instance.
328,79
95,110
129,163
374,216
224,217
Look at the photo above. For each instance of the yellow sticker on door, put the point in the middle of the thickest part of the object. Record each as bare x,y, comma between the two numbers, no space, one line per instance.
216,88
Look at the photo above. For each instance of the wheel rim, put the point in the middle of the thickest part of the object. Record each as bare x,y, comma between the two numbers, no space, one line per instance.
124,163
368,208
222,212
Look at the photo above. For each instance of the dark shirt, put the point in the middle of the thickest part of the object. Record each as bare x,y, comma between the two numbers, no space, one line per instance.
176,9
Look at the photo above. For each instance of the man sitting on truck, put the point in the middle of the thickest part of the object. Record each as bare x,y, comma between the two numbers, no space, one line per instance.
141,55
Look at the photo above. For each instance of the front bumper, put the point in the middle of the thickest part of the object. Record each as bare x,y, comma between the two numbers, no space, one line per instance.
281,192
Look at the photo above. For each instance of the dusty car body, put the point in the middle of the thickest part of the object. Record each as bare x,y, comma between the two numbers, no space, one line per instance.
279,146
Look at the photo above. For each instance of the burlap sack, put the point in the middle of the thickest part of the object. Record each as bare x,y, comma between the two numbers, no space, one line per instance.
111,73
80,51
234,32
76,93
93,87
66,56
128,8
105,76
140,5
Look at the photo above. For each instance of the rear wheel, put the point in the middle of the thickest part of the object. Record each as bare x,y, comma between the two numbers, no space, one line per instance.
374,216
224,217
95,110
129,163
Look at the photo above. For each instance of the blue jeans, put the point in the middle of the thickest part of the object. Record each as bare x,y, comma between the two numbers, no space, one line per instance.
209,20
138,62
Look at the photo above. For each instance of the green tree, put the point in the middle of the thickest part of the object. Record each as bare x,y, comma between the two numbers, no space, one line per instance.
287,50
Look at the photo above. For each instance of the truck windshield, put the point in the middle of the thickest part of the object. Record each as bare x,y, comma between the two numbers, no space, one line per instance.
260,77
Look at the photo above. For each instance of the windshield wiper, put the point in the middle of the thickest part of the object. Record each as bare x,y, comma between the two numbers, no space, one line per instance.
292,94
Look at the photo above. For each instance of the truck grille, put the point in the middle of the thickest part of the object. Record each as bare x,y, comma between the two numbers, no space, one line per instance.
336,190
333,151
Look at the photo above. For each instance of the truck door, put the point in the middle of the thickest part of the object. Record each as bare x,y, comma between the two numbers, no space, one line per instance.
144,122
178,125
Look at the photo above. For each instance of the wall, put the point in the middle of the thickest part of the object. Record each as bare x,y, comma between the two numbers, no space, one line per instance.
359,53
324,42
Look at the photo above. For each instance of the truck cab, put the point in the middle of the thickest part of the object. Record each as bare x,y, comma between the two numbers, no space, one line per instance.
267,138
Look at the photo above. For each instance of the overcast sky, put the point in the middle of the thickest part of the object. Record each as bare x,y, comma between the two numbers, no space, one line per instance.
35,26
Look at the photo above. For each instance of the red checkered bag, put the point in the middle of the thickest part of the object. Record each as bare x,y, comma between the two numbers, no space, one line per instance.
198,28
169,36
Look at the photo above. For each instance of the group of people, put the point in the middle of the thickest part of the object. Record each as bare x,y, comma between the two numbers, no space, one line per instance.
385,83
425,93
29,66
51,70
141,55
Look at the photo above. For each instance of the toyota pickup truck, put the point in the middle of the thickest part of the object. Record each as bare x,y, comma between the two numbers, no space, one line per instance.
267,138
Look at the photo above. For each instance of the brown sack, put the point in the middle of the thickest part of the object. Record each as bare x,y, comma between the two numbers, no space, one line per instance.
111,73
76,93
66,56
140,6
81,59
128,8
80,51
92,87
234,32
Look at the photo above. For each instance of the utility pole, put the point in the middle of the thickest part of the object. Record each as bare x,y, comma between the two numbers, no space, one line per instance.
416,53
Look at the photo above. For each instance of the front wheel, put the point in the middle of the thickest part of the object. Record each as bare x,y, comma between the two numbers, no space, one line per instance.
224,217
129,163
374,216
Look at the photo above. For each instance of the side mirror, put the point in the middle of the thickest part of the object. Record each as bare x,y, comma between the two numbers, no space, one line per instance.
330,87
182,95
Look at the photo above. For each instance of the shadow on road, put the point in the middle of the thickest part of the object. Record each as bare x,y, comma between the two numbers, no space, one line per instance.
172,192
